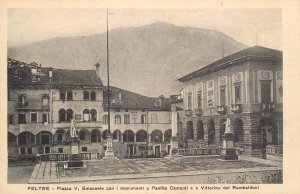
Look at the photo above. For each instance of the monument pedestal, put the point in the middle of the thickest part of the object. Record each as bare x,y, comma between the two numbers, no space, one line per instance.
109,152
228,152
174,146
74,160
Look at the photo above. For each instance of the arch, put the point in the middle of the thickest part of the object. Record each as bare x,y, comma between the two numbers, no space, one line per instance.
26,138
86,115
238,130
200,130
95,136
117,135
104,134
84,135
168,135
128,136
11,139
44,138
93,115
105,119
211,132
59,136
117,119
69,115
141,135
62,115
190,130
156,136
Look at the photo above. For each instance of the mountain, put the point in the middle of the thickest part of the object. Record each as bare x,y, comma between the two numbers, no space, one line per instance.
146,59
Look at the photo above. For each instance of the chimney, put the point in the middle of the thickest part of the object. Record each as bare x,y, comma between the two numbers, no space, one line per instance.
50,74
98,70
161,98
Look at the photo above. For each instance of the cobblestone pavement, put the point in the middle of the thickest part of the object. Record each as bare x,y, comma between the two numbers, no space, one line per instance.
54,172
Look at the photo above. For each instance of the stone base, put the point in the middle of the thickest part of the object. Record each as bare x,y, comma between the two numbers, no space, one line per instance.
229,154
110,155
74,161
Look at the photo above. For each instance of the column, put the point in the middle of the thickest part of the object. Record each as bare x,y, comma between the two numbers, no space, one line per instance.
134,137
122,138
163,137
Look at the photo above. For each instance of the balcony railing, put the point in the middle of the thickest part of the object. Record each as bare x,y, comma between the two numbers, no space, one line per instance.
188,112
65,157
274,149
198,112
236,108
221,109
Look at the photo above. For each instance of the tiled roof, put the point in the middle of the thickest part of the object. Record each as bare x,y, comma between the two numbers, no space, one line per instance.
251,53
120,98
19,74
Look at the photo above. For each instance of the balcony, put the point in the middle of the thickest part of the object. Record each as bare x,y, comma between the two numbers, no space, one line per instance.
236,108
221,109
268,109
198,112
22,105
188,113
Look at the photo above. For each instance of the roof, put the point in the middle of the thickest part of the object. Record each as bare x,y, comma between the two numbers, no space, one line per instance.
251,53
19,74
120,98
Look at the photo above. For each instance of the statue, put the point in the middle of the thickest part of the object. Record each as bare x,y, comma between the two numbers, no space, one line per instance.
73,130
227,125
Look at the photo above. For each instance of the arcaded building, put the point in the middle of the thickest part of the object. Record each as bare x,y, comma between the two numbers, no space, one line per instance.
245,86
42,102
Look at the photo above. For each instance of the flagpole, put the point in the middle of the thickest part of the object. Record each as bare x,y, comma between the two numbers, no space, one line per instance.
107,61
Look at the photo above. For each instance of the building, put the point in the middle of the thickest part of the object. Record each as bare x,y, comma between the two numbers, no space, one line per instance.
42,102
140,125
245,86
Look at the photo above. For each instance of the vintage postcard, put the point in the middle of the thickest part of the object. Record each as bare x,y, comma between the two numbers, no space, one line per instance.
153,97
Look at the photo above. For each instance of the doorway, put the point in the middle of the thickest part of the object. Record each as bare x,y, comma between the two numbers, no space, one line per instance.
131,150
157,151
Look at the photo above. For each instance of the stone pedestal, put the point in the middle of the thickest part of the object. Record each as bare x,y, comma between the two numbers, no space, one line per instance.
228,151
74,160
174,146
109,152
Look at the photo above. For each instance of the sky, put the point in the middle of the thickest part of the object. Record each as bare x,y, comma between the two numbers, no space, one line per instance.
248,26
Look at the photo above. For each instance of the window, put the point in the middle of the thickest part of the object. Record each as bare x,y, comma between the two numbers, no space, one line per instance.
86,95
47,150
62,115
126,118
22,118
45,101
11,119
69,95
29,150
69,114
45,139
199,99
237,91
93,115
153,118
33,117
86,115
21,100
59,137
62,95
117,119
222,96
45,118
22,151
78,117
189,101
143,119
93,95
265,91
84,149
105,119
60,150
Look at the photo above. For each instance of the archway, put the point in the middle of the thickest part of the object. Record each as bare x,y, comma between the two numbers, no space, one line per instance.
211,132
190,130
156,136
238,130
128,136
200,130
95,136
141,135
168,135
26,138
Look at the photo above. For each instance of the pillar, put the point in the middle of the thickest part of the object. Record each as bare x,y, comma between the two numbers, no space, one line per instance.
122,138
134,137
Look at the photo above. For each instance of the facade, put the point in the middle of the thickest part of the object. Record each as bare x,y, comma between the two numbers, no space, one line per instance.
140,125
245,86
42,102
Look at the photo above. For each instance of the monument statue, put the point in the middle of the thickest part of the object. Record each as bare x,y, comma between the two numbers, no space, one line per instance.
73,130
228,125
